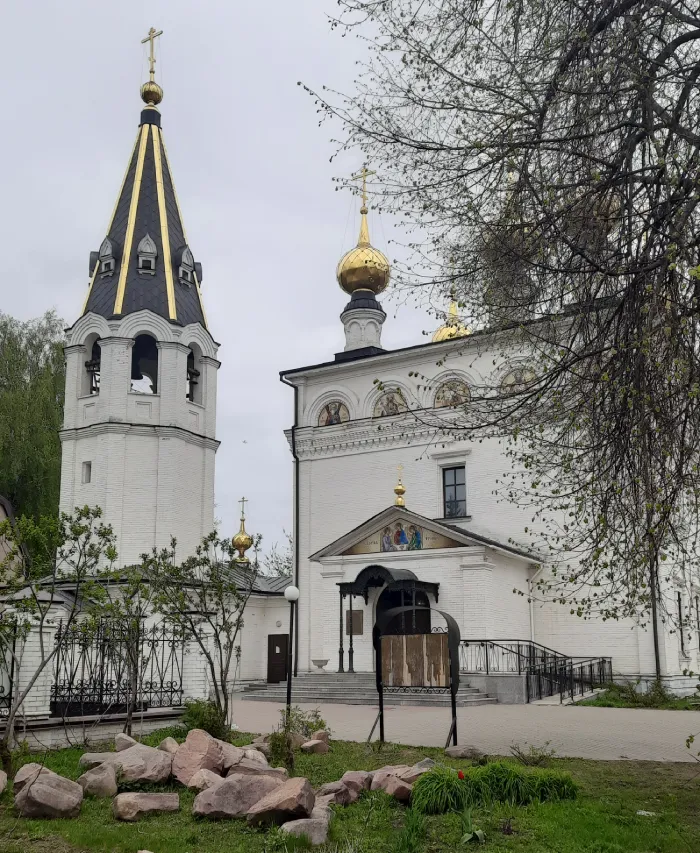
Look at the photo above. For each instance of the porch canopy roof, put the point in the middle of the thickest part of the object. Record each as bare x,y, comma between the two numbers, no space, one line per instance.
378,576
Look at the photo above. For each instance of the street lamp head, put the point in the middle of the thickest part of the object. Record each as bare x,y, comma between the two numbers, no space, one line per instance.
291,593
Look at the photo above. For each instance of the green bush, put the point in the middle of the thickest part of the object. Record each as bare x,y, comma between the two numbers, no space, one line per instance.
204,714
441,790
302,722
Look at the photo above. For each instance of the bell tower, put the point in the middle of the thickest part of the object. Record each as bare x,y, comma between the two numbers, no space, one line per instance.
138,437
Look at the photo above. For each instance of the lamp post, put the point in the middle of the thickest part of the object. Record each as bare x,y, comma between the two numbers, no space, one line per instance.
291,593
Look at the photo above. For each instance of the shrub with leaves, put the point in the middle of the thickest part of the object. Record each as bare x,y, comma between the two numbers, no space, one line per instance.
533,756
205,714
302,722
439,791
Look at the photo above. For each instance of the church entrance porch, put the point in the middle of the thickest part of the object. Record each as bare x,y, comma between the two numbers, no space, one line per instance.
400,588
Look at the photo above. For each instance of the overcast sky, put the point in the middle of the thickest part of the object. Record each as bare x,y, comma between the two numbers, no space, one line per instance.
251,167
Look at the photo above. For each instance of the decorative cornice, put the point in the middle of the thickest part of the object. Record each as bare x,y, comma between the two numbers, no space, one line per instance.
122,428
360,436
176,345
207,359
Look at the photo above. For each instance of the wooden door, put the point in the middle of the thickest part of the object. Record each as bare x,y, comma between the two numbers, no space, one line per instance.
277,650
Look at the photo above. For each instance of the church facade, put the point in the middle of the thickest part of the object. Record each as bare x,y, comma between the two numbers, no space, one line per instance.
389,508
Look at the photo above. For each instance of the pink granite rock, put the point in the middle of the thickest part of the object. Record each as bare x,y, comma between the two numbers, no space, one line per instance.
137,764
357,780
339,791
169,744
321,734
380,776
232,755
122,742
315,829
200,751
131,806
204,779
255,755
234,796
397,788
291,801
49,795
315,746
28,773
101,781
254,768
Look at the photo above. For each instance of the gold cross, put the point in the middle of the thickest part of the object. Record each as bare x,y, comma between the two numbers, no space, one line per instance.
243,502
400,470
152,36
364,173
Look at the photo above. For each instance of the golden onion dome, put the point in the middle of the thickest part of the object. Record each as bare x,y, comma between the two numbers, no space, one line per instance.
452,327
242,541
151,93
364,267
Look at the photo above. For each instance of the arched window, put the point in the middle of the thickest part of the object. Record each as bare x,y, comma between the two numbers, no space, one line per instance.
147,252
518,379
144,365
107,259
90,383
186,268
334,412
194,364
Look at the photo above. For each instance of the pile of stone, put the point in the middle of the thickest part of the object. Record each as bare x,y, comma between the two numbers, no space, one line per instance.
232,783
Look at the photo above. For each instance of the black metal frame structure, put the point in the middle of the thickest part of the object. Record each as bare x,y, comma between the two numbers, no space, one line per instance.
402,580
453,641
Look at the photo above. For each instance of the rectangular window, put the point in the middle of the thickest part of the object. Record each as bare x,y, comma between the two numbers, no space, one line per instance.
454,492
357,623
87,472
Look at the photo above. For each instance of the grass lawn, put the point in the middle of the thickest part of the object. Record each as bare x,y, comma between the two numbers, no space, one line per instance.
625,696
603,820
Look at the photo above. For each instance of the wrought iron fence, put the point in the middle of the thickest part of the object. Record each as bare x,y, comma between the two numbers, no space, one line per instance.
110,666
547,673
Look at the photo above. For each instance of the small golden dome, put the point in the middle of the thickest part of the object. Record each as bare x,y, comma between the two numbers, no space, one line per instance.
242,541
151,93
452,328
400,490
364,267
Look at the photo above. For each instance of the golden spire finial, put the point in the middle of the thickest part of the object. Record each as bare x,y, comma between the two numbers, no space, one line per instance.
452,328
400,490
151,92
364,173
242,541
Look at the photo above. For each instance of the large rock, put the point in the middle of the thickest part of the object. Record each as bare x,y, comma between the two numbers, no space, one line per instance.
418,770
262,747
466,751
340,793
254,768
322,807
101,781
137,764
357,780
398,789
28,773
203,780
122,742
200,751
316,830
131,806
49,795
169,744
292,800
255,755
380,776
315,746
235,795
3,781
232,755
321,734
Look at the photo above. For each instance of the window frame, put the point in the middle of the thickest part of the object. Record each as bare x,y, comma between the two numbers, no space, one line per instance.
444,470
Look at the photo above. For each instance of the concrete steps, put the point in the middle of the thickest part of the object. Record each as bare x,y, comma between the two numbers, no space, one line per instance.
356,689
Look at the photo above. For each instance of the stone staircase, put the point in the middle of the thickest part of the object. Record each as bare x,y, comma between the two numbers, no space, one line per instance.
356,689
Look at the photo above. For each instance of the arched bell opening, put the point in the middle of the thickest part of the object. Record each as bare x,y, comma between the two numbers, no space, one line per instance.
144,365
194,374
90,380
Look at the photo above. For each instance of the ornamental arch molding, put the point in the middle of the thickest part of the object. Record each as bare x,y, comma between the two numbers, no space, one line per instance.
147,323
387,386
316,408
86,326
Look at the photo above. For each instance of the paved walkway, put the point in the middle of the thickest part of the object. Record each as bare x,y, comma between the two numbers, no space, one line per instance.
581,732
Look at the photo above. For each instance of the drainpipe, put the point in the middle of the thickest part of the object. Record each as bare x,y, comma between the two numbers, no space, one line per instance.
295,521
530,585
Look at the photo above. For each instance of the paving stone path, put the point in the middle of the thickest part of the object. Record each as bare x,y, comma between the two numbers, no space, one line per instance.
581,732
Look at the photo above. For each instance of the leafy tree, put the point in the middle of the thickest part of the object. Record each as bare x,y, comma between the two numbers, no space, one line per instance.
544,156
279,560
204,598
84,543
32,373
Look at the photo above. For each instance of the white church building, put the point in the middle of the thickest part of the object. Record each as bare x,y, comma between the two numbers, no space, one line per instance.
386,511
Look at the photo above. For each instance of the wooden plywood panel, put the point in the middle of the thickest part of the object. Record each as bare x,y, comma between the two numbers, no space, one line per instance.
415,660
